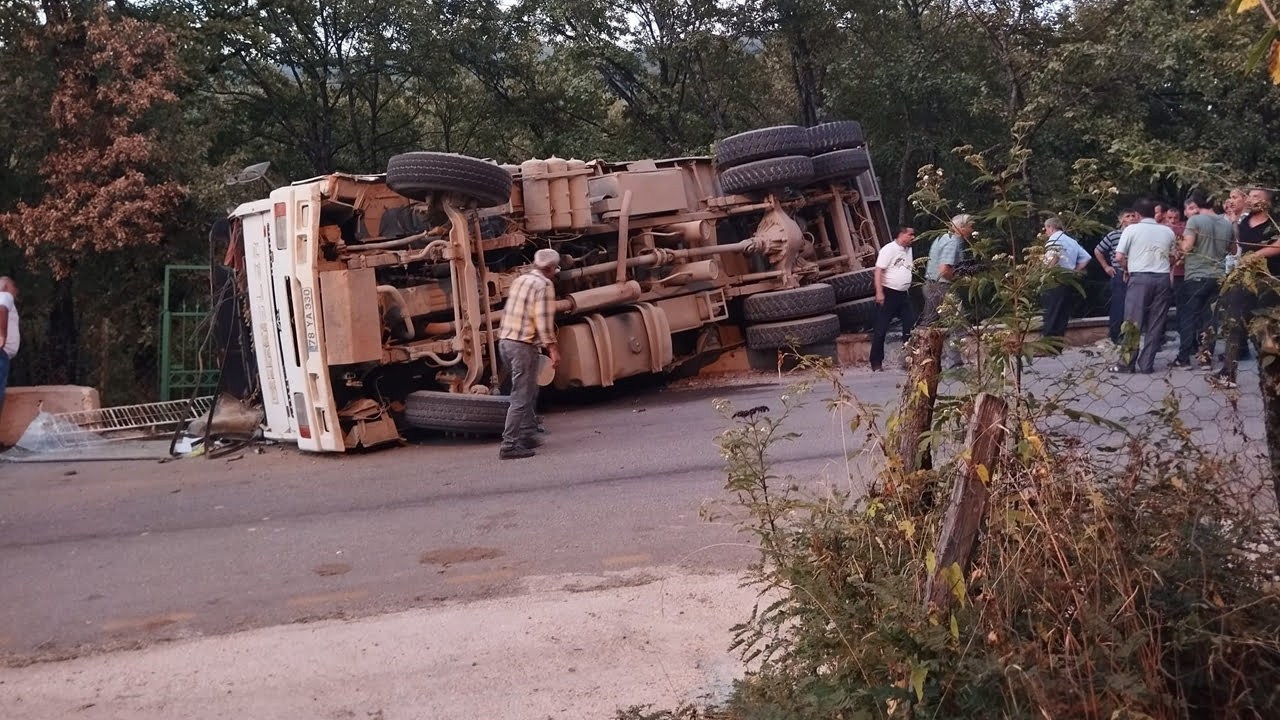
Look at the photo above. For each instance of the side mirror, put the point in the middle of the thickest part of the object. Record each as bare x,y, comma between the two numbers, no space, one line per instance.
253,173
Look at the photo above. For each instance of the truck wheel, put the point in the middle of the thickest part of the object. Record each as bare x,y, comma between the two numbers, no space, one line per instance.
789,304
858,315
416,175
809,331
853,285
837,135
840,164
790,171
762,144
456,412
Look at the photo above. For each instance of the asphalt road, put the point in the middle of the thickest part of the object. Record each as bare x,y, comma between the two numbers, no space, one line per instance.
106,555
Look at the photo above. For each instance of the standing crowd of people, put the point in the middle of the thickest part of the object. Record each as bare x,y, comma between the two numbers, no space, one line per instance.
1156,259
1159,257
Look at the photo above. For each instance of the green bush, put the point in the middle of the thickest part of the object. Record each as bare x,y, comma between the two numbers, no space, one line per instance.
1099,589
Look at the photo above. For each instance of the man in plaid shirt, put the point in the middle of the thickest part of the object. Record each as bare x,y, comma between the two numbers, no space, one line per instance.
528,322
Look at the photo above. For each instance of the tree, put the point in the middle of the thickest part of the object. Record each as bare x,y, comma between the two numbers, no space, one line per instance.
103,191
104,184
1268,45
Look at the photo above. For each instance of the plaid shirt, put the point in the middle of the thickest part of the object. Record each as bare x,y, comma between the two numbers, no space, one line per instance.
529,316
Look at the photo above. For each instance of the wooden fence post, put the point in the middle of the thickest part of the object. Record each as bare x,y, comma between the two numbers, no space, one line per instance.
968,505
915,411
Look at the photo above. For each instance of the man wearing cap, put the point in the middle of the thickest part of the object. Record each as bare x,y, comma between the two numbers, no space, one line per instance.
528,322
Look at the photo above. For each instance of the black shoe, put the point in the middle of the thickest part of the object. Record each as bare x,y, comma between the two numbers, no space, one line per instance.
531,442
515,453
876,368
1180,363
1122,369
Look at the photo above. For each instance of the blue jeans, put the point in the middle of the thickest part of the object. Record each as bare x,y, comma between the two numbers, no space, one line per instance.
4,377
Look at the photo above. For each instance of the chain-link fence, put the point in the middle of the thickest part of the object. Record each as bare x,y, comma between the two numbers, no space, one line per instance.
1079,403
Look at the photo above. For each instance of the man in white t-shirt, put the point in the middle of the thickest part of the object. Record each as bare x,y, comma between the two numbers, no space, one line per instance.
893,280
1144,251
8,331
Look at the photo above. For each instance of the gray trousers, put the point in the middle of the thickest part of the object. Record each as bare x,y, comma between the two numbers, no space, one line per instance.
934,293
522,362
1146,304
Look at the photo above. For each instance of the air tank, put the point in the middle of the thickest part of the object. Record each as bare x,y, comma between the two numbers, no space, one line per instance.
561,207
579,207
537,200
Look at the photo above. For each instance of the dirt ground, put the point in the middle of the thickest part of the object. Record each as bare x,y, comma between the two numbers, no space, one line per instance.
570,647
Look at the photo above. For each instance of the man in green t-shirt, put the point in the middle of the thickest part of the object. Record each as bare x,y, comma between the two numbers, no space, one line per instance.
1204,245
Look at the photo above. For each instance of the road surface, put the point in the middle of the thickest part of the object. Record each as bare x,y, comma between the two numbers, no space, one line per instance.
434,580
100,556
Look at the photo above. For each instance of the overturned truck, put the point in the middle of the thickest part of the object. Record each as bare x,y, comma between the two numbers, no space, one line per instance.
373,301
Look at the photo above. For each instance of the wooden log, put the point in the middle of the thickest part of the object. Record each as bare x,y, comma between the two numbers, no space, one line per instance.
968,505
915,413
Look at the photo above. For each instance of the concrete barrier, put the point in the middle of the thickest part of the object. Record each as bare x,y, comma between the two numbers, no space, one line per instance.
854,349
22,404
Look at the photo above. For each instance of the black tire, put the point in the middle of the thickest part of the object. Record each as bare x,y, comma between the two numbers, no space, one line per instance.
858,315
853,285
791,171
762,144
840,164
837,135
789,304
416,175
456,412
809,331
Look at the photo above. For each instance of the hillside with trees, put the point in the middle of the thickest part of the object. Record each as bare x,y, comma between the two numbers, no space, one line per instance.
120,121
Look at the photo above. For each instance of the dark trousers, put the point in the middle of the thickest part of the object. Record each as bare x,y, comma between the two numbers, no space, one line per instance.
522,362
1147,306
1116,318
897,304
1057,302
1195,297
1235,311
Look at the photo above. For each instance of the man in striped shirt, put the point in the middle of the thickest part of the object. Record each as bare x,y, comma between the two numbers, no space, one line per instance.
1105,252
528,322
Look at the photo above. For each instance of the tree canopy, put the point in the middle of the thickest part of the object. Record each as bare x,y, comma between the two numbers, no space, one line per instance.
120,120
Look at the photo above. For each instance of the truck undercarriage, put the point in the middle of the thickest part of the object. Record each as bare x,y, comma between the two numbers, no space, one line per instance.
374,300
